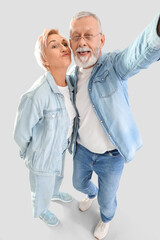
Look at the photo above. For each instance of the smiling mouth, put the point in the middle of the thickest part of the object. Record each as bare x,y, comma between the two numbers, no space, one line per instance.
83,53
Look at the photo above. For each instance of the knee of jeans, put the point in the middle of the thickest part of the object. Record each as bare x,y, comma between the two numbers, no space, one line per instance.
77,184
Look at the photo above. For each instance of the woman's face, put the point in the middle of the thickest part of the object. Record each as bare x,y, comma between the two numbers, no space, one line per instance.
57,51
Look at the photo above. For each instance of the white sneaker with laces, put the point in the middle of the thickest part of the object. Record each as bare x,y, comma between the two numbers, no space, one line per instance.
101,229
86,203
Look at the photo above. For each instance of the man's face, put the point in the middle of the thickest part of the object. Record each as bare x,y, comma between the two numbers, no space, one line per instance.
86,50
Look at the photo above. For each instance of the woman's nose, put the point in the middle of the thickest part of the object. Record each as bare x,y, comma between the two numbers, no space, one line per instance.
64,48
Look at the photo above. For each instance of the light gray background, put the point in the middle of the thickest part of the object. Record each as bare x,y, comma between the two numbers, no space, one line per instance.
137,216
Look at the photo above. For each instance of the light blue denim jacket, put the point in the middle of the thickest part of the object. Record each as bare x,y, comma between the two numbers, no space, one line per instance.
108,91
42,125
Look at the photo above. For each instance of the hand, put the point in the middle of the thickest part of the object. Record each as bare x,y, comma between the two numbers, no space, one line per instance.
158,28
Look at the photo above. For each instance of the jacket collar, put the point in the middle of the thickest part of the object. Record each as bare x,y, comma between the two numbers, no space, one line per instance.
101,59
53,85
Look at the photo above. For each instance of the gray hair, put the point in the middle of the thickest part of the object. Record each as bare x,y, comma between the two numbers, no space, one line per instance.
86,14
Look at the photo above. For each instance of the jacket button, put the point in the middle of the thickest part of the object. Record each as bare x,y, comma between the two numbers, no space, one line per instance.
93,106
102,79
53,116
89,89
101,121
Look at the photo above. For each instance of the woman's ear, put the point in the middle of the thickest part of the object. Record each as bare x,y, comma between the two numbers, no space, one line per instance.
45,62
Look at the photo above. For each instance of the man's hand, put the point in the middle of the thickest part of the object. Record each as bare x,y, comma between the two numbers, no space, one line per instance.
158,28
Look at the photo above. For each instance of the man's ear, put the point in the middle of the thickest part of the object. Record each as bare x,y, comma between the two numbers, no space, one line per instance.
102,40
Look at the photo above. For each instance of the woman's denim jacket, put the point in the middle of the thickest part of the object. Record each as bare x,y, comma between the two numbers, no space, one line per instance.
41,126
108,90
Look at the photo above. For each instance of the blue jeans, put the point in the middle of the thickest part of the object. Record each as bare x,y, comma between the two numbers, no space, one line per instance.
108,167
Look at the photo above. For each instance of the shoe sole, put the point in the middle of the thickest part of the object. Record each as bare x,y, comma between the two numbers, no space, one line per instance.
101,237
96,238
57,199
83,210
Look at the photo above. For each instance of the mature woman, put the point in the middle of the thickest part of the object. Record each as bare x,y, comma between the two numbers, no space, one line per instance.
44,123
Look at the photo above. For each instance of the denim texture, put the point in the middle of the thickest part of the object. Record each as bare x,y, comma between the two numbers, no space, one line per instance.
108,89
108,167
41,126
43,188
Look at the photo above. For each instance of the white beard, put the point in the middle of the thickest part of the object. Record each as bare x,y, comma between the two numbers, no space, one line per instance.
84,61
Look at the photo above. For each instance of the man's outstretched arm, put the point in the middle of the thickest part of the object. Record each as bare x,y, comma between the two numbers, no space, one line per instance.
141,53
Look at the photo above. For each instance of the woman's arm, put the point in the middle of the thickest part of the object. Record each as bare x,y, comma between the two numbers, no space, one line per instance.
26,119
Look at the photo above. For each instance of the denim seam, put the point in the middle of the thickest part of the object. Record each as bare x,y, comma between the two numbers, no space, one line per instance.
36,192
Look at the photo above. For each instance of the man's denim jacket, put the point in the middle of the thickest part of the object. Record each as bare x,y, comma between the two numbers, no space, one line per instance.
41,126
108,92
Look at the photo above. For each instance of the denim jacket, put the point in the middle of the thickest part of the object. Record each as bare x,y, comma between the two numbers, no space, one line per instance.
42,125
108,91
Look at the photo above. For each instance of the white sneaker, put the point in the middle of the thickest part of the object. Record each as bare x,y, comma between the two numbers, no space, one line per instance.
101,229
86,203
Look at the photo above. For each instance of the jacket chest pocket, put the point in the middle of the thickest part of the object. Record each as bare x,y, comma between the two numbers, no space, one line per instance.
105,85
52,118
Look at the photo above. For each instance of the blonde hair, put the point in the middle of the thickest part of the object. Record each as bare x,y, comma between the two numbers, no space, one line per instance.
40,46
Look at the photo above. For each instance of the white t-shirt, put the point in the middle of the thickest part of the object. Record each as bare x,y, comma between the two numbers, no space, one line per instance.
69,107
91,134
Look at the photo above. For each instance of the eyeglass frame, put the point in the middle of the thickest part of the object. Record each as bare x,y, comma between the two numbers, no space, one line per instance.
78,38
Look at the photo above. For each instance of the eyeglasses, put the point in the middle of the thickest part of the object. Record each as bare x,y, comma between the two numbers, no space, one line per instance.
86,37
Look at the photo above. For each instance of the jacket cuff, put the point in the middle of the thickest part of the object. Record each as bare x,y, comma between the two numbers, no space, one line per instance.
22,155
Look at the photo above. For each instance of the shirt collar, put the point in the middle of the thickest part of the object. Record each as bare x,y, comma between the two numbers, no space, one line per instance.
101,59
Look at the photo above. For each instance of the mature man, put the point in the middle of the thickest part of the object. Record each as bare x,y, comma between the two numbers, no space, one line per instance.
105,131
